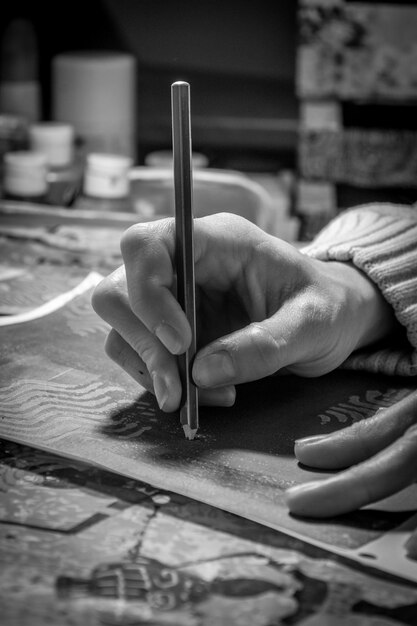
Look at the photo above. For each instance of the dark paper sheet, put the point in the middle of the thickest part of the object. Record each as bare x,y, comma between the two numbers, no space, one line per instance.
60,392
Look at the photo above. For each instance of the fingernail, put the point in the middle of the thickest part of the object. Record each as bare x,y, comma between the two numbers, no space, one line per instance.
312,439
219,396
303,488
300,498
160,389
169,337
213,369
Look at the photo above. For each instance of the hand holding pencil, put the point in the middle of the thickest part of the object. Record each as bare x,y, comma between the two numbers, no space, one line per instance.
261,308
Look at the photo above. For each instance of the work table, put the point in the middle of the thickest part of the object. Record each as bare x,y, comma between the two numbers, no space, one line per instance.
81,544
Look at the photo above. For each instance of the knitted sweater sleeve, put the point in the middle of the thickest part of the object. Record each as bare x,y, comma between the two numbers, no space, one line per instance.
381,240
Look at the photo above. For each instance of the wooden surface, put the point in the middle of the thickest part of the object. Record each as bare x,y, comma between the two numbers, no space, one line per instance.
84,545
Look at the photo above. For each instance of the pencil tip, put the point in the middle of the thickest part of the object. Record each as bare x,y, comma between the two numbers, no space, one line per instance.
189,432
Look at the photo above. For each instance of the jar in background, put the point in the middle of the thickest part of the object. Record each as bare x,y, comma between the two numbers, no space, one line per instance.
25,176
106,183
56,141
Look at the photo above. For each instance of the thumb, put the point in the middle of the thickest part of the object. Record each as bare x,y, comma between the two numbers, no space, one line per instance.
258,350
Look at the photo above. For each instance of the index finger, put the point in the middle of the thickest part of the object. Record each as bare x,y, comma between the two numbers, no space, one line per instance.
148,252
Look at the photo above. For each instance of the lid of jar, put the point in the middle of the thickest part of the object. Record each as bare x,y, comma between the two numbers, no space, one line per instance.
25,159
109,162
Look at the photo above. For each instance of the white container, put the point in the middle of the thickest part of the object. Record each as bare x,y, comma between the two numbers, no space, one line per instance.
107,176
25,174
55,140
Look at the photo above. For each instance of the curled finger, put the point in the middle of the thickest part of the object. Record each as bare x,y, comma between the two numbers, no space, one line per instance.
111,302
119,351
148,251
128,359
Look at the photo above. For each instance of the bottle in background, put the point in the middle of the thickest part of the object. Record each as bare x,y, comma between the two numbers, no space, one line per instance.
56,141
20,90
106,183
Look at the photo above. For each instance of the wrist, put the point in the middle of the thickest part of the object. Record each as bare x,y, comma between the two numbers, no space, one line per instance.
373,317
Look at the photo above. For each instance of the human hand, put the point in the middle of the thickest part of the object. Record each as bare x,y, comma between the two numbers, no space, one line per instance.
381,454
262,307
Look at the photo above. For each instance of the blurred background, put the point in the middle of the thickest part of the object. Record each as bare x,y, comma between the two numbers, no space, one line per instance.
238,56
313,100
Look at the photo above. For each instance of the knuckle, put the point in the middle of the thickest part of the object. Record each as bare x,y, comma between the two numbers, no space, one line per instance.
122,354
140,237
129,240
107,295
266,348
146,350
224,222
363,430
101,295
116,349
312,310
222,218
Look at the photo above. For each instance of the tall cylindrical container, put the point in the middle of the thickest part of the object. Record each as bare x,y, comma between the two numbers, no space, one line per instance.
95,92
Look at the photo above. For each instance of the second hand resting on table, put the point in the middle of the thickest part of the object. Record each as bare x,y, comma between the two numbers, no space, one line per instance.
263,307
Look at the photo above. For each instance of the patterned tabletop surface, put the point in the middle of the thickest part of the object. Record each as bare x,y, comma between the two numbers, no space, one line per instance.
80,545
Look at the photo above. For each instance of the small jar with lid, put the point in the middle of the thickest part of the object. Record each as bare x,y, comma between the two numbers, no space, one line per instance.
25,176
106,183
56,141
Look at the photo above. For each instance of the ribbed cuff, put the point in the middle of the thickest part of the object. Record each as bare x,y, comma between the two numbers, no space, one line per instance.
381,240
